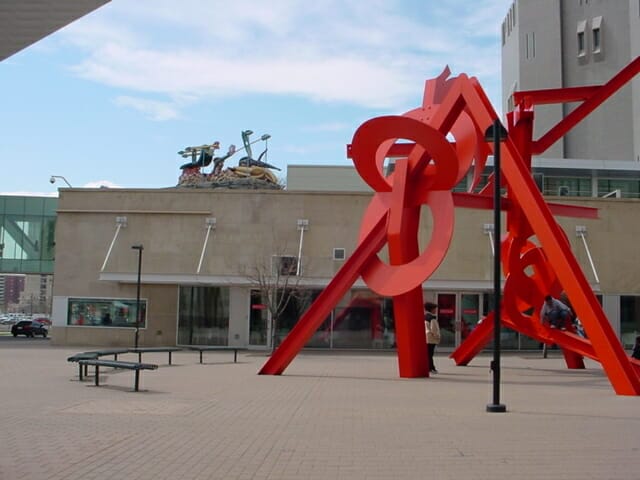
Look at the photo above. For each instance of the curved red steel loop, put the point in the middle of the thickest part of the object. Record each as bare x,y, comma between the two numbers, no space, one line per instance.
370,147
432,165
392,280
523,291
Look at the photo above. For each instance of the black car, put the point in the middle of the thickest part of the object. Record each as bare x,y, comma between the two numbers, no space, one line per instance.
29,328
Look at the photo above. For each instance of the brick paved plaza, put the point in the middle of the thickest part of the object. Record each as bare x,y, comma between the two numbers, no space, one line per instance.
331,416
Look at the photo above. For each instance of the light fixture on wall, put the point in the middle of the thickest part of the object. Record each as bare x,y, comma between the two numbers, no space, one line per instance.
303,224
487,229
581,231
52,179
121,222
210,223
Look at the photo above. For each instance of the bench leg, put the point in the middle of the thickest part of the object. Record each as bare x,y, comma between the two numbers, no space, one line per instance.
169,358
235,356
80,371
97,376
139,357
137,383
200,356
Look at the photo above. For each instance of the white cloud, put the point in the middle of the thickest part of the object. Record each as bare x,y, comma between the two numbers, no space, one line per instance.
372,54
153,109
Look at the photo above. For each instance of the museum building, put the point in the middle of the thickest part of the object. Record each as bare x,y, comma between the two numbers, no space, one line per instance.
205,251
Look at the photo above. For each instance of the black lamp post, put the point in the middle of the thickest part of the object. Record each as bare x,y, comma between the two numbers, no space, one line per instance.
139,248
497,133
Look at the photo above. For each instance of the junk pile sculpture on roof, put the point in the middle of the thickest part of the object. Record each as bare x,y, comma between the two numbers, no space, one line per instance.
249,173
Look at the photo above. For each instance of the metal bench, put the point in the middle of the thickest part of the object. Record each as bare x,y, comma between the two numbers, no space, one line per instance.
136,366
210,348
82,356
93,355
141,350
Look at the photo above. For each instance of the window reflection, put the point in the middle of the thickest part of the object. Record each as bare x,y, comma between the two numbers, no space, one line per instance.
203,316
105,312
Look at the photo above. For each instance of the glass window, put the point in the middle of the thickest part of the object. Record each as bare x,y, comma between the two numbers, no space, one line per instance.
358,322
105,312
295,302
258,320
596,36
596,39
580,42
203,316
461,186
582,27
629,319
27,234
569,186
628,188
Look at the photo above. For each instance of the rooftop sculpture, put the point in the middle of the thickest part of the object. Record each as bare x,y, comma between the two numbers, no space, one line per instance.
249,173
537,258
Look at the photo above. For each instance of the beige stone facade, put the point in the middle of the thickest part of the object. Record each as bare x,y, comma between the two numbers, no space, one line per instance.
252,226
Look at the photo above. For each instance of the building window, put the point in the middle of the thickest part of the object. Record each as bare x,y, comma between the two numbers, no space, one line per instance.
596,36
285,265
628,188
530,45
338,254
567,186
629,319
203,315
596,40
582,49
105,312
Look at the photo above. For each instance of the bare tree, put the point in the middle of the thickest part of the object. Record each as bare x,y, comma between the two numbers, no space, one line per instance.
277,277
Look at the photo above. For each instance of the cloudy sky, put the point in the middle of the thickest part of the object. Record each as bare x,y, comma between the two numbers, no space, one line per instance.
112,98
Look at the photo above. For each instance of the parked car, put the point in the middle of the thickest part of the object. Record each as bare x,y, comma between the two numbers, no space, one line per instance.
29,328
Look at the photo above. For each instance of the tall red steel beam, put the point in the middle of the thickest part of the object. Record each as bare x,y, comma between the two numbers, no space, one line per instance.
605,343
403,248
609,351
521,132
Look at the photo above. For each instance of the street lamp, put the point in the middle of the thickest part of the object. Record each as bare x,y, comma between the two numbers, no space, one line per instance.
53,180
139,248
497,133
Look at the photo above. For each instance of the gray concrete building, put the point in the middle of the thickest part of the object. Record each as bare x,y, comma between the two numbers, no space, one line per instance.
574,43
550,44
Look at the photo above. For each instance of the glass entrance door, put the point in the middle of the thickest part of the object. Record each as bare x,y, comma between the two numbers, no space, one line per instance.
447,319
458,315
469,315
258,321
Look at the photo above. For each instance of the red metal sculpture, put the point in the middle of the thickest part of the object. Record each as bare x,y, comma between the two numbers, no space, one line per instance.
427,168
